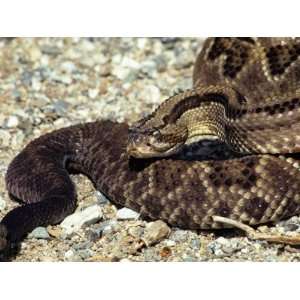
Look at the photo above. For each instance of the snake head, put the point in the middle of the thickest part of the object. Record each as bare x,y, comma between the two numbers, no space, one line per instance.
156,142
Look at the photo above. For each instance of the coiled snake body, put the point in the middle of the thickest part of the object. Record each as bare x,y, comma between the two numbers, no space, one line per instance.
254,83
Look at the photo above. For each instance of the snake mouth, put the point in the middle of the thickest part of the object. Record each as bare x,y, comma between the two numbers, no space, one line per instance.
150,151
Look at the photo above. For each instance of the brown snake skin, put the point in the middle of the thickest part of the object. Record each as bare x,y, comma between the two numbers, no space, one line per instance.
253,189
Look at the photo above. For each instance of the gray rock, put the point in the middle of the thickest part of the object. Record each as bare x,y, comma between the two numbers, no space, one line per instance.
292,224
60,107
127,214
179,235
189,259
26,78
87,216
82,246
155,232
68,67
149,68
224,247
195,243
105,228
161,63
291,227
85,253
50,50
184,60
109,227
39,233
169,41
101,198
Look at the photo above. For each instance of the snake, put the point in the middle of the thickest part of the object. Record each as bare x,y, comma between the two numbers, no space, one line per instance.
242,114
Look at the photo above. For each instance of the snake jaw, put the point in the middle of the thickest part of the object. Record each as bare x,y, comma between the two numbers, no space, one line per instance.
148,151
147,143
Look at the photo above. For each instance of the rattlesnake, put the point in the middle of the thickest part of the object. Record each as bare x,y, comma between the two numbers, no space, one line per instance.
254,83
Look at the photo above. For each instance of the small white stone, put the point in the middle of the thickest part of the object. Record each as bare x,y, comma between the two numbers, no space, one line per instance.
120,72
88,216
170,243
151,94
127,214
36,84
129,63
68,66
12,122
69,254
93,93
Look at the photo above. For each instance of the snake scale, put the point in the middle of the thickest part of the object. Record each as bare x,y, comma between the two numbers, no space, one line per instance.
246,90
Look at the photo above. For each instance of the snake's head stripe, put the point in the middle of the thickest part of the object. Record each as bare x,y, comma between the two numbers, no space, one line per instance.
156,142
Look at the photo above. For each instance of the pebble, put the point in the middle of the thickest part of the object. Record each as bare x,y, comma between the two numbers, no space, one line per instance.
169,40
60,107
12,122
85,253
155,232
292,224
93,93
101,199
224,247
50,50
127,214
2,204
150,94
54,231
184,60
195,243
136,231
87,216
71,255
105,228
4,138
26,78
169,243
39,233
68,67
179,235
149,68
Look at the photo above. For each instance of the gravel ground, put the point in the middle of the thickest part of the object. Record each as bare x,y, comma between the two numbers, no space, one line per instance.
49,83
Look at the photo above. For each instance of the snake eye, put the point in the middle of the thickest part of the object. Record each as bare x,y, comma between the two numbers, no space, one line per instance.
156,133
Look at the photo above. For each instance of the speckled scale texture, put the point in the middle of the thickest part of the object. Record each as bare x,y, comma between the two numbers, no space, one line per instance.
254,189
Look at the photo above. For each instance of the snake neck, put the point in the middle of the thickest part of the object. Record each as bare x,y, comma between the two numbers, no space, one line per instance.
206,122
